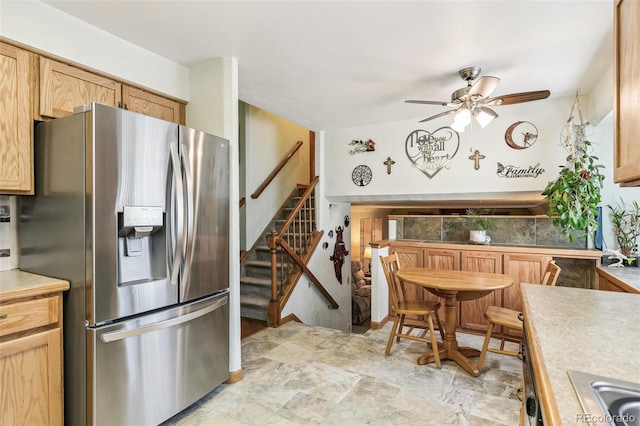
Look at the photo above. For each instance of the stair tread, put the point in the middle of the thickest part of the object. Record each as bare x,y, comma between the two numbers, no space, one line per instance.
255,280
260,263
253,300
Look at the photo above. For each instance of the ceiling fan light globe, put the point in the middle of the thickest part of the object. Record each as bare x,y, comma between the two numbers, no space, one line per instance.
458,127
484,116
463,117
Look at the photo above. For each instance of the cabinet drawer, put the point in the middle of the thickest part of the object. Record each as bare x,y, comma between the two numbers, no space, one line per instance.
22,316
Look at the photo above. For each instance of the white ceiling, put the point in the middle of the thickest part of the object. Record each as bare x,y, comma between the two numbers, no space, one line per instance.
337,64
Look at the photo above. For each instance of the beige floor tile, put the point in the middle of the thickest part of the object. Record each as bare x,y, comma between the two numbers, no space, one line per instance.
299,375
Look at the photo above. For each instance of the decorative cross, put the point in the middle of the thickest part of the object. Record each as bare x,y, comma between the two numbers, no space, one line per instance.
476,157
388,163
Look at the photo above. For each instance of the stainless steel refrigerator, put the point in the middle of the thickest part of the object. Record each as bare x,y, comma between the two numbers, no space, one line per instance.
134,212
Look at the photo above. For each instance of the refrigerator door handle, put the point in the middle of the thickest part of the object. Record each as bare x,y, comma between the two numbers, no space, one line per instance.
189,217
175,251
120,335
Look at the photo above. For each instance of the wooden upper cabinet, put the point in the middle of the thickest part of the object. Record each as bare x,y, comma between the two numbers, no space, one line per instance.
16,126
147,103
627,92
64,87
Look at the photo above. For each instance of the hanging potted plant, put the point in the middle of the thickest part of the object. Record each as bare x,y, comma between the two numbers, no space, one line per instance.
575,194
626,226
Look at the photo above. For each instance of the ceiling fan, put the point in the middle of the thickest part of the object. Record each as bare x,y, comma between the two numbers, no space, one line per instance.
474,101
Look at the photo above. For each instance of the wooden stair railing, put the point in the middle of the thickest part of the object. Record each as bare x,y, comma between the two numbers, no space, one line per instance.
276,170
297,240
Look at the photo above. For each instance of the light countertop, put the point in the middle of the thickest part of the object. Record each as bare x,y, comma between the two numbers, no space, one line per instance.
17,284
592,331
555,251
629,275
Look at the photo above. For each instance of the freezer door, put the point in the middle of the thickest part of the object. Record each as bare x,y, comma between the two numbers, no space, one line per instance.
145,370
206,168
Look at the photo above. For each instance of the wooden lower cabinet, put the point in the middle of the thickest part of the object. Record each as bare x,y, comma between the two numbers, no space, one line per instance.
32,379
607,282
472,311
409,257
31,361
523,268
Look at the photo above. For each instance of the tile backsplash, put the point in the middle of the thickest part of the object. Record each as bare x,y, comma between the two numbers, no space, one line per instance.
8,233
523,231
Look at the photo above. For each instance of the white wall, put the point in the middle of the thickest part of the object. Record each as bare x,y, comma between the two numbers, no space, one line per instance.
213,109
306,302
408,183
602,135
46,28
269,139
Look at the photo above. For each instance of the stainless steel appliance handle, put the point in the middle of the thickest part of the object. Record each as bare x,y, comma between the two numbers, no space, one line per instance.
119,335
189,217
178,221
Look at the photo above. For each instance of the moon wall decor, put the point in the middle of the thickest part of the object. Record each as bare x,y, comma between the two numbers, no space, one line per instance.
521,135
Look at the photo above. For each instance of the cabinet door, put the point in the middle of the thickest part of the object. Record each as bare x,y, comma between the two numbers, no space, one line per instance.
441,259
523,268
64,87
147,103
627,92
32,379
606,285
472,311
409,257
16,126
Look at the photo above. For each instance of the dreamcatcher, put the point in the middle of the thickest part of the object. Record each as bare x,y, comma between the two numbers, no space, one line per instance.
573,134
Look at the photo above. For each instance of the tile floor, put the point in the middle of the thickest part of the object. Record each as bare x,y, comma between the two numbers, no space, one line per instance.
299,375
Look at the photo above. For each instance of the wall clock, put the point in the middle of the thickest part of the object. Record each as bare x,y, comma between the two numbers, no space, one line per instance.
361,175
521,135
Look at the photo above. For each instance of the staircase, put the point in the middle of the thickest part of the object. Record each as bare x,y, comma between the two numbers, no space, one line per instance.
255,269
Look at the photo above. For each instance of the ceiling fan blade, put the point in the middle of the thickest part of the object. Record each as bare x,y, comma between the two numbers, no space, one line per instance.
516,98
441,103
442,114
484,86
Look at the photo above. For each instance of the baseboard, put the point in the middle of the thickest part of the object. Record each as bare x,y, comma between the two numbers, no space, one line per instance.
290,317
234,377
377,325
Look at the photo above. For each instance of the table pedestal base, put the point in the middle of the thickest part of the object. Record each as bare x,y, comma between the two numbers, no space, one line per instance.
458,355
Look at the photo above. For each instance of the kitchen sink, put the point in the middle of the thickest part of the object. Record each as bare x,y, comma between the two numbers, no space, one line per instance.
607,401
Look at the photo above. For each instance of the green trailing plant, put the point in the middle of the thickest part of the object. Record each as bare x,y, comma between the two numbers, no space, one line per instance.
476,220
575,194
626,225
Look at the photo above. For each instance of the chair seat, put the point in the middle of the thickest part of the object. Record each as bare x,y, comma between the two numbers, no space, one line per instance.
417,307
508,318
503,316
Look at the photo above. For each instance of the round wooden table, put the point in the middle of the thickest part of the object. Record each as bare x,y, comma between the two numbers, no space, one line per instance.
454,286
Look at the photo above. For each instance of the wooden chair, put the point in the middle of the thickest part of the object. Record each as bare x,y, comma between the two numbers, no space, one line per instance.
509,318
404,307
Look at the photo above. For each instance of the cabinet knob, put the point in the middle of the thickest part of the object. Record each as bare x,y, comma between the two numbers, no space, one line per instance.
3,316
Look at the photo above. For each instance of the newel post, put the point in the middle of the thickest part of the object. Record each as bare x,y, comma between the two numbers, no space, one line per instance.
274,305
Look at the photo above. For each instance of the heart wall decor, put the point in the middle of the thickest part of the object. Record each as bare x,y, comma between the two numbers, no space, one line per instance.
430,152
